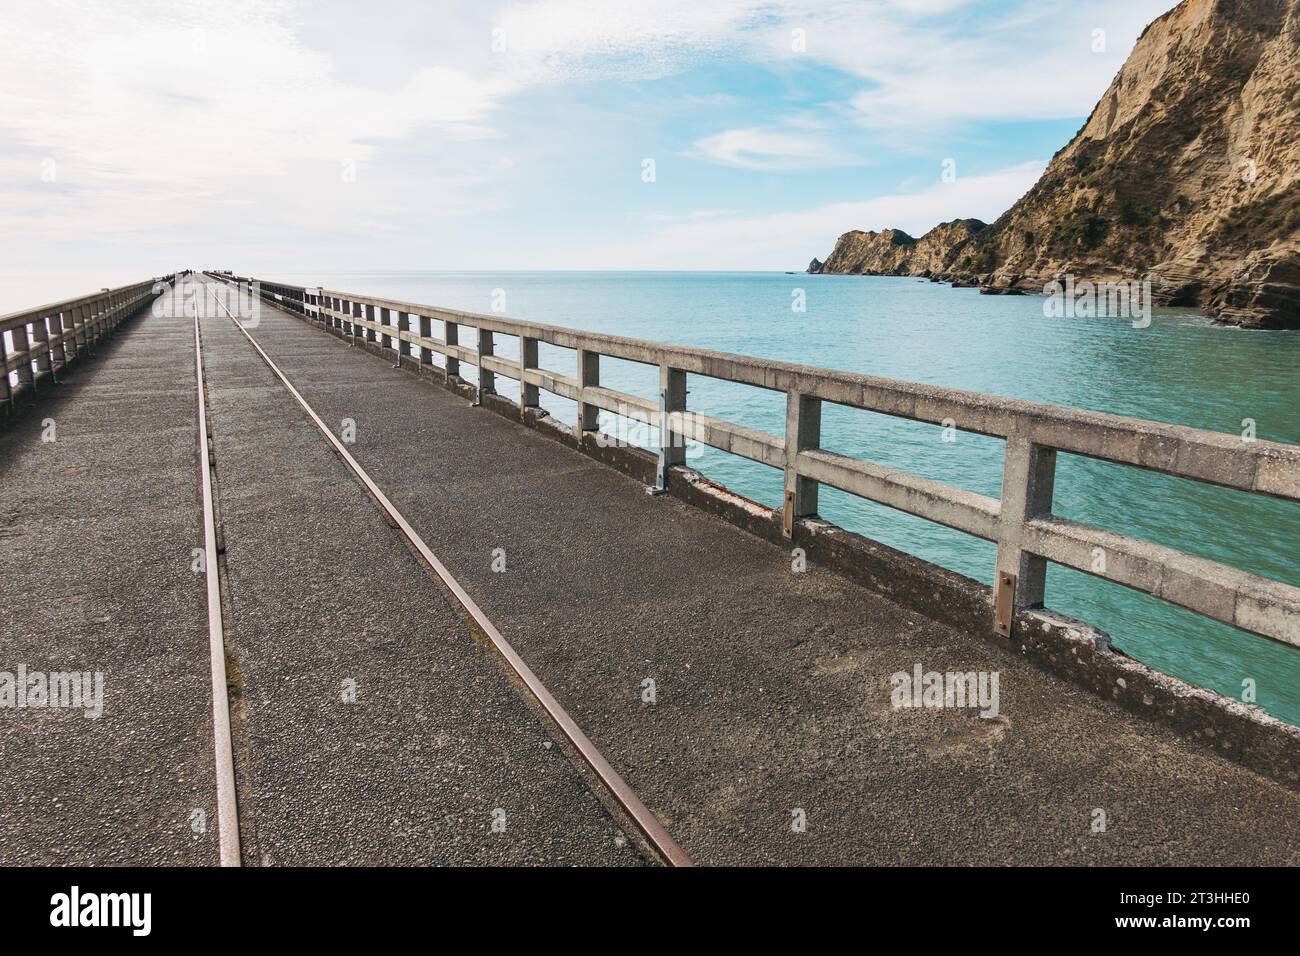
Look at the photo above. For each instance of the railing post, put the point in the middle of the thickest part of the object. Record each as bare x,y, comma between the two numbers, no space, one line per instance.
529,395
672,444
41,341
61,349
487,381
451,336
79,315
23,344
385,340
803,430
371,334
403,325
588,377
426,332
4,370
1028,475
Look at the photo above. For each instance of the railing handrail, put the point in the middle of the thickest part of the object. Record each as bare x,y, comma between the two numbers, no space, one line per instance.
49,337
1021,522
996,420
25,316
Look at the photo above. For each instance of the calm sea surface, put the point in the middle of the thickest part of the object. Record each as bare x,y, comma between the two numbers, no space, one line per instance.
1182,370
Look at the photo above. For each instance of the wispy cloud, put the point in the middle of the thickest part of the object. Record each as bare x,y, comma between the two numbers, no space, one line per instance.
564,40
920,61
771,150
695,215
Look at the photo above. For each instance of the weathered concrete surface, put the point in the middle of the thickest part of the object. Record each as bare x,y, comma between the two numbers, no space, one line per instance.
773,688
96,529
322,592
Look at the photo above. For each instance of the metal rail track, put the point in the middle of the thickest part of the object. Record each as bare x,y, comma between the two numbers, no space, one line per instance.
227,807
653,831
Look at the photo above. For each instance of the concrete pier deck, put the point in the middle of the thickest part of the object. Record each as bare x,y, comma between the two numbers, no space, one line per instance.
327,601
96,531
771,689
438,743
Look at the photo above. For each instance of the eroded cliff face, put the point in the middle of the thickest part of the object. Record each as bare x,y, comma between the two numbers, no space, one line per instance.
1187,173
895,253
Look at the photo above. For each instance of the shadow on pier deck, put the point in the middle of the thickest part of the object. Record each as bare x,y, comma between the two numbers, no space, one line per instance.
747,703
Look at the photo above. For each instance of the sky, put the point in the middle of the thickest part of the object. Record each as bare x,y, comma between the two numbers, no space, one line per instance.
285,136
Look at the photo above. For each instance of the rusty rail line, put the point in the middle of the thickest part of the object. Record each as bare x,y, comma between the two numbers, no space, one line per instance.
645,820
223,751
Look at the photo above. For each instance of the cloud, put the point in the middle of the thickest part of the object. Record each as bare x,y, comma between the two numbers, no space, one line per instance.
771,150
789,239
921,61
565,40
138,106
693,216
990,73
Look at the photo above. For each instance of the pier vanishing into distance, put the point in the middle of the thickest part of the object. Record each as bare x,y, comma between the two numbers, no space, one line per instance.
348,606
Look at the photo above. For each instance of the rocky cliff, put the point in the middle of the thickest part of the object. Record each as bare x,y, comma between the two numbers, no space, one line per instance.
895,253
1187,173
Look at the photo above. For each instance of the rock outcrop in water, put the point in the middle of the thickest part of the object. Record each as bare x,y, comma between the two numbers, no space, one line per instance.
1187,173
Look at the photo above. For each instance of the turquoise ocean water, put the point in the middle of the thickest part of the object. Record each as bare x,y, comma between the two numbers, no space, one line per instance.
1182,369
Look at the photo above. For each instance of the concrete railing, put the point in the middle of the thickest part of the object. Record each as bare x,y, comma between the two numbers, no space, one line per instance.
1027,533
48,337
